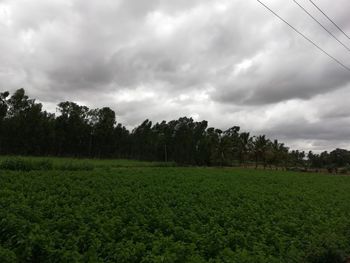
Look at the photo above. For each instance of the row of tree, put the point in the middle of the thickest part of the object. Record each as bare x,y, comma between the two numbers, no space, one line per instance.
26,129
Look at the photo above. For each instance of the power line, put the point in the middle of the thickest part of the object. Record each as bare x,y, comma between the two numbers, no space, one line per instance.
329,32
319,9
308,39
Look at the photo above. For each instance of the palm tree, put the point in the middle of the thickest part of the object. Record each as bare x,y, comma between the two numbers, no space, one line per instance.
260,145
283,153
244,146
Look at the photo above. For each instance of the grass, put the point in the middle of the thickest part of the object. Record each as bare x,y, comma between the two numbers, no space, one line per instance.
172,214
25,163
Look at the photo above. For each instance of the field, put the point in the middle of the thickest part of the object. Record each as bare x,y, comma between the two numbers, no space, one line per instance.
138,212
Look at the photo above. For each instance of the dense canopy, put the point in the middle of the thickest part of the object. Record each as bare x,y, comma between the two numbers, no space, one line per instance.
76,130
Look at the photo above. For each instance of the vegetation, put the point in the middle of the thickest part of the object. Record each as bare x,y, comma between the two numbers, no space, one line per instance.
173,214
57,209
25,129
68,164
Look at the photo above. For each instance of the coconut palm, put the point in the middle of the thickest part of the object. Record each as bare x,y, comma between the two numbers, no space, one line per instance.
244,147
260,146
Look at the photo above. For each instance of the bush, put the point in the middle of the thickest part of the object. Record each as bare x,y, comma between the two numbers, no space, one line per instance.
347,168
7,256
42,165
328,255
164,164
26,165
296,169
16,164
76,166
20,164
343,171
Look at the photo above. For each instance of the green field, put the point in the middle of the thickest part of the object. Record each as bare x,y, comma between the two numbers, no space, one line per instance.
125,213
59,162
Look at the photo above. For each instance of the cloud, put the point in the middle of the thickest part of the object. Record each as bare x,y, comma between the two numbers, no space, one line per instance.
230,62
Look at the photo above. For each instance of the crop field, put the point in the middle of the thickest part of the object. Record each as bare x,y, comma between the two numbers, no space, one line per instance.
139,212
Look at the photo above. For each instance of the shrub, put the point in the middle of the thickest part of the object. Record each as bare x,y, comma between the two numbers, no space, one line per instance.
328,255
164,164
76,166
20,164
42,165
347,168
16,164
7,256
343,171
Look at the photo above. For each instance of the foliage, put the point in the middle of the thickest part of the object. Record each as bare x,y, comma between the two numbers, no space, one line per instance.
75,166
77,131
150,214
7,256
21,164
58,162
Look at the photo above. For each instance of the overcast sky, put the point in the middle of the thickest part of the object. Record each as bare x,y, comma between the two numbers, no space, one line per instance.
229,62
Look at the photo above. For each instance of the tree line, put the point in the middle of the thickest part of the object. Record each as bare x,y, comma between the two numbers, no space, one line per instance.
27,129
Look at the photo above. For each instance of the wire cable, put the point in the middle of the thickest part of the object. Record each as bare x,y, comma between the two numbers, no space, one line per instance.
319,9
304,36
329,32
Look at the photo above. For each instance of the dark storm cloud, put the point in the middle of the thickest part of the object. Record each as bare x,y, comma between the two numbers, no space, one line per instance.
230,62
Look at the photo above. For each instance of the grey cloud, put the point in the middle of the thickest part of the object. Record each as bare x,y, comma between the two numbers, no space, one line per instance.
240,59
322,130
300,85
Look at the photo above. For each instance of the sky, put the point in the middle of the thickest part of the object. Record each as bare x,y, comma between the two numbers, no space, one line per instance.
230,62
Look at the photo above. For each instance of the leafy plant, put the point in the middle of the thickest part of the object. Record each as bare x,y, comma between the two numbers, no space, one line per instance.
158,214
25,164
76,166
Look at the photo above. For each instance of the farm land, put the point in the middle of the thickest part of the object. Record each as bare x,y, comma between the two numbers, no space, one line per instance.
68,210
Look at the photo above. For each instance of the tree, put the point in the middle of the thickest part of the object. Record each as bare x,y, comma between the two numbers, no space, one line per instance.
73,129
223,152
26,130
245,144
260,146
232,135
3,113
339,157
297,158
277,154
122,142
212,152
314,160
143,141
103,131
3,104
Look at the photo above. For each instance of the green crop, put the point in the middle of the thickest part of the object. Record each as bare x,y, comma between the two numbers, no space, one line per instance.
166,214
